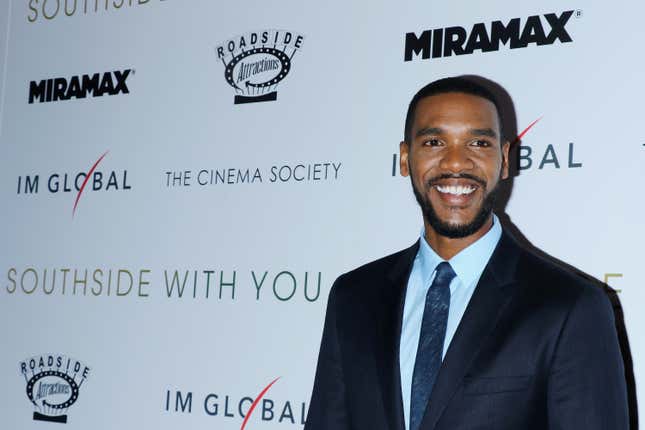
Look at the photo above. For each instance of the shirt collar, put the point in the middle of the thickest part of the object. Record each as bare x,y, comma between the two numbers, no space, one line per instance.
468,264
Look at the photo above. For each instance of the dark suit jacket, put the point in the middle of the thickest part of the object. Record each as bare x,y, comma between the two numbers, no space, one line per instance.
535,349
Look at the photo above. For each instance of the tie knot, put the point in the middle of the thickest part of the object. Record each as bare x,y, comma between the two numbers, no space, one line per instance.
444,275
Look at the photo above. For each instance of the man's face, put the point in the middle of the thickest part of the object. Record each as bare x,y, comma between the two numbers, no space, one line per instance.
455,160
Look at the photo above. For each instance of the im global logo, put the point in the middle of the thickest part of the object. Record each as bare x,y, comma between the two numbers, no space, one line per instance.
61,183
53,385
255,63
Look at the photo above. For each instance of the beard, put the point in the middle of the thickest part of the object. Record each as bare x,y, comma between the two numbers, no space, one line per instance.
452,230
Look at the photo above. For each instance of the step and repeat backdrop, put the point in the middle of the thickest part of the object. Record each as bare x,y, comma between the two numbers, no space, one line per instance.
182,181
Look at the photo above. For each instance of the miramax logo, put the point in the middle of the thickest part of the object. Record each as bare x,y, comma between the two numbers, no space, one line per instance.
79,87
486,37
255,63
53,384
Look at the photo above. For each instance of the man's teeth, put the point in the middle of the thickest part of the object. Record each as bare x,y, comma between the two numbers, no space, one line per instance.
455,189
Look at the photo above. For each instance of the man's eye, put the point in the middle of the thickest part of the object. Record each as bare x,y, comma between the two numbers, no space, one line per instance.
481,143
432,142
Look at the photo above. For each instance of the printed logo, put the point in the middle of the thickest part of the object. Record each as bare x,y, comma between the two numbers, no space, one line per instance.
53,385
255,63
79,87
251,410
297,172
93,179
445,42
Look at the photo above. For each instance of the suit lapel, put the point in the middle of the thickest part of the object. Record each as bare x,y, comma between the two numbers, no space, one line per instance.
479,320
389,315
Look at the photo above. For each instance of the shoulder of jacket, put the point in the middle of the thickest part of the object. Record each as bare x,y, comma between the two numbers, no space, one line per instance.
554,278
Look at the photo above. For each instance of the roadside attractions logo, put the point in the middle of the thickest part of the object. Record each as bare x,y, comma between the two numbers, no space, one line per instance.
53,385
534,30
248,410
75,182
79,87
48,10
529,157
255,63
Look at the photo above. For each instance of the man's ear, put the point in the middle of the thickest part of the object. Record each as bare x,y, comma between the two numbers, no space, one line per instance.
505,151
404,150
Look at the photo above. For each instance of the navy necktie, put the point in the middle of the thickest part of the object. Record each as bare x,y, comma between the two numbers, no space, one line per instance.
433,333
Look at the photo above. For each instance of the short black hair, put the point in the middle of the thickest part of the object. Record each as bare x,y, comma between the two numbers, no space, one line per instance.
455,84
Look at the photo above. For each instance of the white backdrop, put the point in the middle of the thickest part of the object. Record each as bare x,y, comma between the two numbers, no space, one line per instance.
339,114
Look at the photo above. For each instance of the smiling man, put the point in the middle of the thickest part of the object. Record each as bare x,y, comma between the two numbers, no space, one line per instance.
465,329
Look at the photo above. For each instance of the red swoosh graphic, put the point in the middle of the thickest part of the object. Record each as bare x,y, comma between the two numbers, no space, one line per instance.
521,135
256,401
78,196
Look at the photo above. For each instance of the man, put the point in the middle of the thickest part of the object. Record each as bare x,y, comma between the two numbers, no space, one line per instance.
465,329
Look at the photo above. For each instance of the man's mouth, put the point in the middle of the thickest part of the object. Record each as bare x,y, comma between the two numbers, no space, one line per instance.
455,190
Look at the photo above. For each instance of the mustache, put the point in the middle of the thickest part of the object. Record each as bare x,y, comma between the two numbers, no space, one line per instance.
433,181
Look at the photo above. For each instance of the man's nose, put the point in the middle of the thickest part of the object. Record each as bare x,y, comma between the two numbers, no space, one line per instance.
455,159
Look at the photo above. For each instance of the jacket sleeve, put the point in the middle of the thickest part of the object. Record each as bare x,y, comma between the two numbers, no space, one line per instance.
328,408
586,384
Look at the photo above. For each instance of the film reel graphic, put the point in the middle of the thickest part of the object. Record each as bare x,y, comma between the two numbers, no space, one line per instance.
258,91
256,62
52,411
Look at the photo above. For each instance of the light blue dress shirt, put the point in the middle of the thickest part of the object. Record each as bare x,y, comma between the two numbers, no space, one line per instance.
468,265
